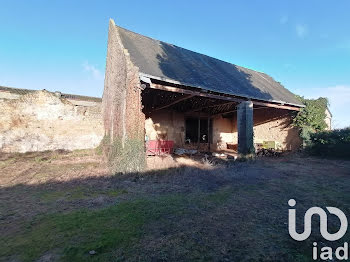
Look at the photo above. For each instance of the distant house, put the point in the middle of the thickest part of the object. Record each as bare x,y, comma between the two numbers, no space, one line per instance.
328,119
164,92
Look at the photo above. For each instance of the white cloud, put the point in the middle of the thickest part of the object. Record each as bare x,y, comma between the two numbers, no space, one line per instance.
95,73
339,100
301,30
344,45
284,19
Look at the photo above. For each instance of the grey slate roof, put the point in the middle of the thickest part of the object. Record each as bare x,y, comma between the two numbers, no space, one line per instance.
172,63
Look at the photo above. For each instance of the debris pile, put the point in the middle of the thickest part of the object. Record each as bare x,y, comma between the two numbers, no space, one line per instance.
268,152
184,151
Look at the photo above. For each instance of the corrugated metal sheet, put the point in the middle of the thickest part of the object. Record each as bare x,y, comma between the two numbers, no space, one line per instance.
172,63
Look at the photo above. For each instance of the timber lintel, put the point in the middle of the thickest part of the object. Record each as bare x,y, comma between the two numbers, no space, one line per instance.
220,97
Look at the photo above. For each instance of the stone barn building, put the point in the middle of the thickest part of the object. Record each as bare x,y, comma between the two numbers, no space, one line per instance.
158,91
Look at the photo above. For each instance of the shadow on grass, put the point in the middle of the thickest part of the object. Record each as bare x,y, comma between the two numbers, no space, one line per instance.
65,220
237,212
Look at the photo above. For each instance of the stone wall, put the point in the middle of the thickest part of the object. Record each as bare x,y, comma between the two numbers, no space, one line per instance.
223,132
276,125
123,119
271,124
122,107
40,121
166,125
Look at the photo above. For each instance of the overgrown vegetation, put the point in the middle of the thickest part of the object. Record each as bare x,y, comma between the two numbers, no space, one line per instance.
316,140
335,143
311,118
123,157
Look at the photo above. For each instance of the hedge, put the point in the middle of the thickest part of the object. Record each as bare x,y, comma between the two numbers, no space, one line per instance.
334,143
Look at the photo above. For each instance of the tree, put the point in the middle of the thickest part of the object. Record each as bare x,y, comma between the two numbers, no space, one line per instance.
311,118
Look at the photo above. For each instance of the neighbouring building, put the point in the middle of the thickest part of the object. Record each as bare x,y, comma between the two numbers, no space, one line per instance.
158,91
328,119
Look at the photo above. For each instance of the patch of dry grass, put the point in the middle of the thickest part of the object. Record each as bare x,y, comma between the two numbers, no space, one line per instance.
60,205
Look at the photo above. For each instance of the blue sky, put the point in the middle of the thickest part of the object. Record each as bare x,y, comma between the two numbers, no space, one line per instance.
61,45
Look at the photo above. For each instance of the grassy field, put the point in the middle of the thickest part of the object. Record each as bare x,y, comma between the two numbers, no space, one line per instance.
59,206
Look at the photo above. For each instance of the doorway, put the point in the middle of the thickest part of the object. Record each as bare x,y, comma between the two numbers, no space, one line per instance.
191,126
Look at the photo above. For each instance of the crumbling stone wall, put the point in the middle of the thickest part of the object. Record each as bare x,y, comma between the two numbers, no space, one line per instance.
122,108
166,125
40,121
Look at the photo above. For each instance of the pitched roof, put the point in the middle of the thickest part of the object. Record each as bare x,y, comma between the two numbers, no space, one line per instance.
171,63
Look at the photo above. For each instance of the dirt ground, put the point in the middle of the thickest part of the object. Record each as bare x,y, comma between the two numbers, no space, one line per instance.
59,206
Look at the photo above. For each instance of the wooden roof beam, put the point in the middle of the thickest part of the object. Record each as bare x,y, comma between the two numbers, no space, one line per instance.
173,103
205,107
194,93
279,106
219,97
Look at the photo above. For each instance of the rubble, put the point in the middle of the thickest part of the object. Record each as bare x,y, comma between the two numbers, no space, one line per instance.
184,151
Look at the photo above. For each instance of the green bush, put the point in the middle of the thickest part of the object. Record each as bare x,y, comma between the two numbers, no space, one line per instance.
311,118
313,114
305,135
335,143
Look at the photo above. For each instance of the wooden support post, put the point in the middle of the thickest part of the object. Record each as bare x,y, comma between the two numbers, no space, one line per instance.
245,129
199,130
208,136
